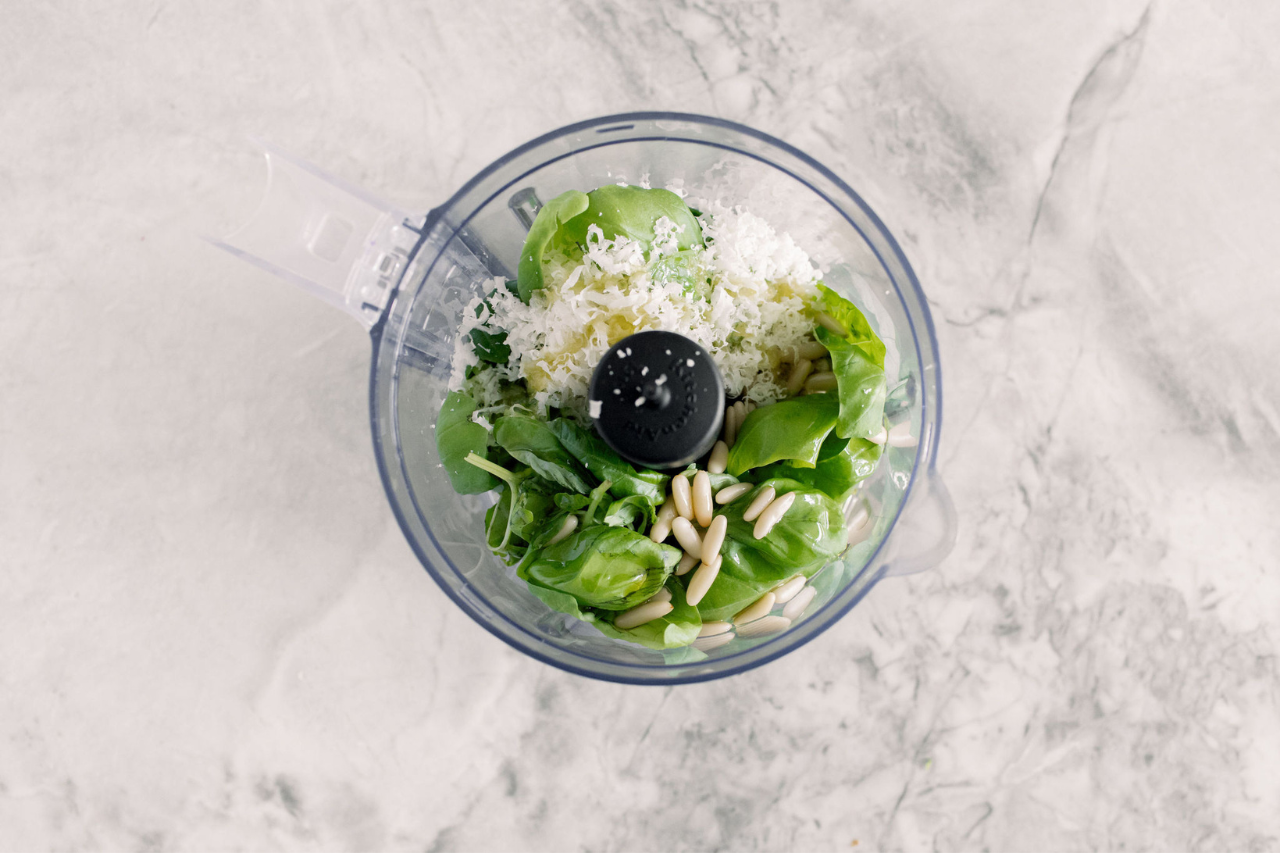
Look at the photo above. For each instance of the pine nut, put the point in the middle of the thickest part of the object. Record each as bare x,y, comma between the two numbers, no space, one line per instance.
663,594
819,382
686,564
799,374
750,406
714,539
688,538
667,511
810,350
831,324
729,494
767,625
660,531
707,644
719,459
570,524
701,582
757,506
772,514
881,437
730,426
637,616
856,516
858,535
756,610
821,365
788,590
683,498
900,436
702,505
710,629
796,606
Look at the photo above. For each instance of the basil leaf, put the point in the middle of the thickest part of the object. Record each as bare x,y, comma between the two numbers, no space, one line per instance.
548,221
832,446
589,449
720,481
837,475
532,506
861,335
809,536
530,441
634,511
632,212
491,347
571,502
744,576
517,525
456,437
496,520
857,360
861,387
789,429
611,568
804,540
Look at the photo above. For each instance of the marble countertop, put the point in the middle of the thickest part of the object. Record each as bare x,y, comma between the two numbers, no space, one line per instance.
214,637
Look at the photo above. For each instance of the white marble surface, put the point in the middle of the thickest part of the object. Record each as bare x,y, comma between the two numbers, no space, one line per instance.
213,636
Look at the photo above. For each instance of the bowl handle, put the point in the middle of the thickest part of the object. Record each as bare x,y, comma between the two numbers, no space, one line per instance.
926,529
334,240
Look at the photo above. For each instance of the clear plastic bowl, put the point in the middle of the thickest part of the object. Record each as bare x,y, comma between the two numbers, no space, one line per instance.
408,279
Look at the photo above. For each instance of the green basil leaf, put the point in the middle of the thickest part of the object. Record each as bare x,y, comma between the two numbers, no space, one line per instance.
809,536
496,519
861,335
589,449
548,221
562,602
857,359
861,387
632,212
720,481
833,445
532,507
611,568
634,511
529,440
491,347
456,437
789,429
571,502
837,475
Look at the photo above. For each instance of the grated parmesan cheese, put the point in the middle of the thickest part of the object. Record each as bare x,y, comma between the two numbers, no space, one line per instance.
743,297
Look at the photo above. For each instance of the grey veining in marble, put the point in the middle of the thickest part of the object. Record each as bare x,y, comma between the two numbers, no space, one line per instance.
213,636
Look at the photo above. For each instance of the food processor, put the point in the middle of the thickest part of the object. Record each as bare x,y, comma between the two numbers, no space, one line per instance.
406,278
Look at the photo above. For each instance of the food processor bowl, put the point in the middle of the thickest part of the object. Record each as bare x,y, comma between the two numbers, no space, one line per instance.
408,279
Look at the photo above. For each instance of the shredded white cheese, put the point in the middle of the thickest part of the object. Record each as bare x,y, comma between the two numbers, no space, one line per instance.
742,297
